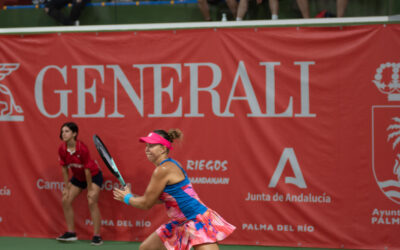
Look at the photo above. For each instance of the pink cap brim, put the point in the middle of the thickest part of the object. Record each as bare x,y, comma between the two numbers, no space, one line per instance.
154,138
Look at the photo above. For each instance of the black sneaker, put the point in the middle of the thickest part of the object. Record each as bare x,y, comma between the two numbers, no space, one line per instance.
96,241
68,236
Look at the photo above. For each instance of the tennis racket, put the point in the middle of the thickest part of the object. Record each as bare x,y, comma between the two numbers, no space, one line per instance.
108,160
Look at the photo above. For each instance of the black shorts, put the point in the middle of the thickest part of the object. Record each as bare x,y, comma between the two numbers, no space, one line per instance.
97,179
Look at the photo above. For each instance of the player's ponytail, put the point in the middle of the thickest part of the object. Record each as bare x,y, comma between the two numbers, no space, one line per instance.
172,134
175,133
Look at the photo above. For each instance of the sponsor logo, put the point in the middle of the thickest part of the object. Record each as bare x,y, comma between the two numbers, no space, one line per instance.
386,132
288,156
208,166
392,87
386,143
5,191
9,110
75,165
386,150
135,93
289,159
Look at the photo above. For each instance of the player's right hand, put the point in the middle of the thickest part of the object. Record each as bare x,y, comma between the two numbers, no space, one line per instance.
119,194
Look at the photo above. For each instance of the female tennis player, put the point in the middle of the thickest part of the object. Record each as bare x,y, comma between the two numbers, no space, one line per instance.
74,154
192,223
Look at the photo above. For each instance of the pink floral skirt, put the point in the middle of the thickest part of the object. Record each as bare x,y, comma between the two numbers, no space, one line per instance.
209,227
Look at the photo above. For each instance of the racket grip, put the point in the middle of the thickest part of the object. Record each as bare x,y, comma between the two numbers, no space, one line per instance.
121,181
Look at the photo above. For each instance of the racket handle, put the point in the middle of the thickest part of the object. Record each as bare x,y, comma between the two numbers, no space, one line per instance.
122,181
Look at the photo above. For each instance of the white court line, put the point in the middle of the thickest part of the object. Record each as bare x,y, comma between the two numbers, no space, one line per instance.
199,25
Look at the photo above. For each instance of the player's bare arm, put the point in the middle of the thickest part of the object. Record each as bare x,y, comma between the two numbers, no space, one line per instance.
157,183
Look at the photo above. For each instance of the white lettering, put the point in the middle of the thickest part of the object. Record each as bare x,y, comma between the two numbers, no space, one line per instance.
241,89
300,198
143,223
104,222
385,217
119,76
124,223
258,197
209,180
49,185
159,90
305,89
195,89
248,89
109,185
81,80
285,228
270,92
63,93
257,227
305,228
210,165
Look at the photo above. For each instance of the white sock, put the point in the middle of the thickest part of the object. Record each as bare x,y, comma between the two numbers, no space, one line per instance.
274,17
239,19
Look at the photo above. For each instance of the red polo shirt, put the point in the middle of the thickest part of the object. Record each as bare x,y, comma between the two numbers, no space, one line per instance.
77,161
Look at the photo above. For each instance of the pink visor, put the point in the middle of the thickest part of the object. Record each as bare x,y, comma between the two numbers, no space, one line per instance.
154,138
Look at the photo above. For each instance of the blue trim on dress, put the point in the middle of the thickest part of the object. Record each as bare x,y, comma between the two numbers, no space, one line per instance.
189,206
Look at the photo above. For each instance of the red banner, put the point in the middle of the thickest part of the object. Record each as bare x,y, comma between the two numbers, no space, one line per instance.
291,134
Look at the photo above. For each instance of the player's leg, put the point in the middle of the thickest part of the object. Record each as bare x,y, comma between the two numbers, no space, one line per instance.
93,201
68,198
153,242
207,246
69,194
93,198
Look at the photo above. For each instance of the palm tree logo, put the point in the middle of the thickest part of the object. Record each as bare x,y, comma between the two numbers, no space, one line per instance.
9,110
395,135
391,186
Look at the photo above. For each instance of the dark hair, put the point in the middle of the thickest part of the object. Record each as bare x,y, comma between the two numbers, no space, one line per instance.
172,134
72,126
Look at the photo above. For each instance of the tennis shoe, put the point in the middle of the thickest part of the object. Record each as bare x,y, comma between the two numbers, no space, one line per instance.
96,241
67,236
